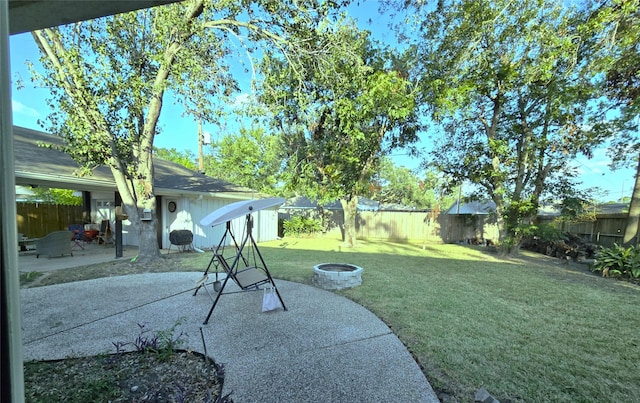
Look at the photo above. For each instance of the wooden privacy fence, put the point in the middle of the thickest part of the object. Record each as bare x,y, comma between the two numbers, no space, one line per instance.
392,225
36,220
606,230
398,225
464,228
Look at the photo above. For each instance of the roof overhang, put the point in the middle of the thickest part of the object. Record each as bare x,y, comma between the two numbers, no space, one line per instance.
56,181
29,15
169,192
88,183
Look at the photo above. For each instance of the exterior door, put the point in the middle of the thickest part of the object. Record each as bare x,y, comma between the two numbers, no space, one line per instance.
170,210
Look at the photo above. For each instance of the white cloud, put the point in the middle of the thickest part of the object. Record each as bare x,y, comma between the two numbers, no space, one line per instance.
242,99
20,108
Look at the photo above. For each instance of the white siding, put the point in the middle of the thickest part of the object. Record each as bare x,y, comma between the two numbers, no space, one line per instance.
206,237
266,227
188,214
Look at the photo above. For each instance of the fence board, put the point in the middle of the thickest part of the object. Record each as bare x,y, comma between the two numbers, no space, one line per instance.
427,226
36,220
397,225
605,230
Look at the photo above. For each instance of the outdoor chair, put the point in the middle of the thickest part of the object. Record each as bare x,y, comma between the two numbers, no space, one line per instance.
250,277
105,235
77,235
54,244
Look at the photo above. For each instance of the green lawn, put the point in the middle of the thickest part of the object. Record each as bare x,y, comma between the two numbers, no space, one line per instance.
526,329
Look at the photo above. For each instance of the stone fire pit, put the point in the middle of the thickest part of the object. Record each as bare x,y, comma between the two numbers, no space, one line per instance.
337,276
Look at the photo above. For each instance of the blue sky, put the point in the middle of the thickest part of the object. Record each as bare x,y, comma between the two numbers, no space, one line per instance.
181,132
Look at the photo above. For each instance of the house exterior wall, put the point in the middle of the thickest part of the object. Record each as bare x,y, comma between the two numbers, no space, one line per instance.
267,230
187,215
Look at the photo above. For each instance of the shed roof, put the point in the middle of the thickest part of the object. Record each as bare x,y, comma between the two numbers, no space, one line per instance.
35,165
472,207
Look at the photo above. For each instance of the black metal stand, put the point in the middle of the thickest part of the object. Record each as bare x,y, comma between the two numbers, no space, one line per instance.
232,271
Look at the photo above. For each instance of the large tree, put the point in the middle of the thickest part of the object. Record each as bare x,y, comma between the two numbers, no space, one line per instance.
395,184
109,77
500,79
251,158
339,117
614,50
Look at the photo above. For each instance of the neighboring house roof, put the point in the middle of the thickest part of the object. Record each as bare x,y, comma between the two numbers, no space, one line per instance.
478,207
364,204
35,165
473,207
612,208
302,202
548,211
600,209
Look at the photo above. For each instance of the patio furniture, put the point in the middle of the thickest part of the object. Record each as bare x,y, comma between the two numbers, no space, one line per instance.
247,268
90,235
24,242
182,238
77,235
56,243
105,236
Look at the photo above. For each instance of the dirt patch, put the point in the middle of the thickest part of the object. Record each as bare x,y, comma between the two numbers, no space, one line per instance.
125,377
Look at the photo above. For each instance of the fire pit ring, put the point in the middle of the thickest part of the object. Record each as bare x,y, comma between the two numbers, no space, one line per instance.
337,276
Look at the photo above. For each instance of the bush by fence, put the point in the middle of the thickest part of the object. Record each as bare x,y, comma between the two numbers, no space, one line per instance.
299,225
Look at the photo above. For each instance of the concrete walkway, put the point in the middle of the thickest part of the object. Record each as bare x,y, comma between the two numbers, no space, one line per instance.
325,348
91,254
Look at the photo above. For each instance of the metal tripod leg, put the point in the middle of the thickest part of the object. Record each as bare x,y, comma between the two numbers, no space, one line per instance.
224,284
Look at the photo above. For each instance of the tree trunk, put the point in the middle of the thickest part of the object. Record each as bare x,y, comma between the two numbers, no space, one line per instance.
500,223
134,206
148,239
633,219
350,208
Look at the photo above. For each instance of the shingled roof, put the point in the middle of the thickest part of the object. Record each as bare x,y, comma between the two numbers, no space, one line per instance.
472,207
35,165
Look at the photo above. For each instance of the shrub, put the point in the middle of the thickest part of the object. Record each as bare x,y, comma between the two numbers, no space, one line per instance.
549,232
618,261
163,343
299,225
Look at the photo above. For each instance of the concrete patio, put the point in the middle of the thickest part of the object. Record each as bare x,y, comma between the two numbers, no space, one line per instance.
325,348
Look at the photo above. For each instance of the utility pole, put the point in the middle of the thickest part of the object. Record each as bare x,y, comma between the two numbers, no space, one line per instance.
200,143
